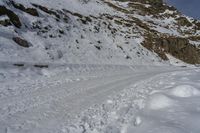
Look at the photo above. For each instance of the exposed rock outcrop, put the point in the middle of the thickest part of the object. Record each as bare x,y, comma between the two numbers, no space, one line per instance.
12,16
176,46
21,42
31,11
45,9
5,22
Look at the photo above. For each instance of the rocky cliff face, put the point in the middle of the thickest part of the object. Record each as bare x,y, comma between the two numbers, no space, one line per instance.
98,31
176,46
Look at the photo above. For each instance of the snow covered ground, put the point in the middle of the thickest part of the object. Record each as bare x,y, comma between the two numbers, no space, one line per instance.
165,103
100,99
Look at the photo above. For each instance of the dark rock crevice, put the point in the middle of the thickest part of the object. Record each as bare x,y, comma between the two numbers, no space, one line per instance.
31,11
46,10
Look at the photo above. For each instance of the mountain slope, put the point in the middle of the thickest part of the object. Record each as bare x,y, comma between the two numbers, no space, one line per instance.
85,31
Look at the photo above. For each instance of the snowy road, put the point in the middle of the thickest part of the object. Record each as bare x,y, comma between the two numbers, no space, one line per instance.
55,104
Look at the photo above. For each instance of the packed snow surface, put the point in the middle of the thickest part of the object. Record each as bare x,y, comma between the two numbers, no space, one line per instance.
99,99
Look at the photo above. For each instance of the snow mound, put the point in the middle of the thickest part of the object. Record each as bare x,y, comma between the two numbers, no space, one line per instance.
138,121
185,91
159,101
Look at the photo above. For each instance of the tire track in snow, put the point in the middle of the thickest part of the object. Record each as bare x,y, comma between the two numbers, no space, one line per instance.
46,108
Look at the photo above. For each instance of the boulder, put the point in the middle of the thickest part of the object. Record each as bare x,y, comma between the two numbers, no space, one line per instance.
21,42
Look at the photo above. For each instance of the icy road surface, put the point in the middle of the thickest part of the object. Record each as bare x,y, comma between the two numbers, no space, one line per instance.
102,100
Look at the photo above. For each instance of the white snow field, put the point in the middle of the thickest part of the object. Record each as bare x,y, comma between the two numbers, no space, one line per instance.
100,99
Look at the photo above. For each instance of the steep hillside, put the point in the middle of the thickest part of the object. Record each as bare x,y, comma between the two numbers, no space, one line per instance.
96,32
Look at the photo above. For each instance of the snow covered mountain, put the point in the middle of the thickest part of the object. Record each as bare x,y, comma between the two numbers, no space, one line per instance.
98,66
96,32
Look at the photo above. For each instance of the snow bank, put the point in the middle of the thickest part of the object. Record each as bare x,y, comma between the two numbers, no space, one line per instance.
159,101
185,91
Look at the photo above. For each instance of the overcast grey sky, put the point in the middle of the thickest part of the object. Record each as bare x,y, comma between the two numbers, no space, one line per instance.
188,7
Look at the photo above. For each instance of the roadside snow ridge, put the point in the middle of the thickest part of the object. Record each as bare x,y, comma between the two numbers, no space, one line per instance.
185,91
159,101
